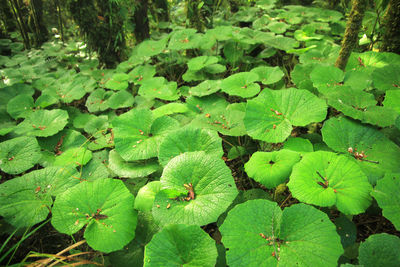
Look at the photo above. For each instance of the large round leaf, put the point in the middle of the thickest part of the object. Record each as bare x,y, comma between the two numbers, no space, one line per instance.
360,105
105,206
326,179
324,77
180,245
387,195
118,82
43,123
380,250
189,139
134,169
137,134
74,156
241,84
198,63
271,168
258,233
205,88
342,134
196,189
270,116
20,106
26,200
19,154
268,75
97,100
159,87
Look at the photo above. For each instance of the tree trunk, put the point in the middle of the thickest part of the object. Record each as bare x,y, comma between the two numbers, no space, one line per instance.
391,37
59,19
16,10
141,21
101,23
350,38
7,16
162,10
37,24
194,15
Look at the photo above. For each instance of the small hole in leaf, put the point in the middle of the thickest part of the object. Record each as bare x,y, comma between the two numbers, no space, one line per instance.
227,249
271,162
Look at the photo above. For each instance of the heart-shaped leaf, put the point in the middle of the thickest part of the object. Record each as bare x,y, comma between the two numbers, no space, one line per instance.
326,179
270,116
380,250
189,139
241,84
134,169
26,200
137,134
43,123
258,233
374,152
19,154
180,245
105,206
271,168
196,189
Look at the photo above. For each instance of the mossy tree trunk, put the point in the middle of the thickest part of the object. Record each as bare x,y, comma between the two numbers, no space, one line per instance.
102,25
391,37
350,38
193,14
162,8
141,21
7,16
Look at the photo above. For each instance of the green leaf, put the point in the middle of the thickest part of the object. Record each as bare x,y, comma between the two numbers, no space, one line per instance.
270,116
387,78
386,194
119,81
347,231
98,100
268,75
271,168
278,27
324,77
360,105
20,106
392,100
121,99
189,139
146,195
149,48
381,154
201,62
380,250
258,233
43,123
137,134
326,179
74,156
170,108
205,88
298,144
241,84
135,169
142,73
26,200
184,39
105,206
19,154
212,186
159,87
180,245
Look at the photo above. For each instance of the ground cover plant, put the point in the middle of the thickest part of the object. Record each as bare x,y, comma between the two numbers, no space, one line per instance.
236,144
